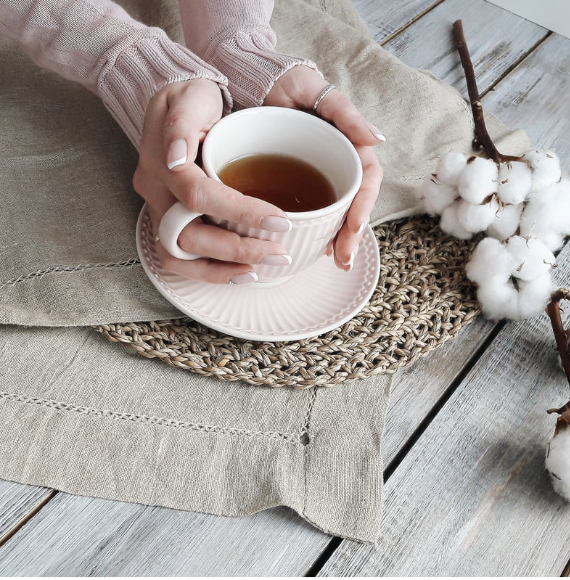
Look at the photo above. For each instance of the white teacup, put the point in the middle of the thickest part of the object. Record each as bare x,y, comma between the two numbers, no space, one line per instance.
278,130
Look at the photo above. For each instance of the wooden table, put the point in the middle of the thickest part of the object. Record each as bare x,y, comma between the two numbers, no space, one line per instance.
466,489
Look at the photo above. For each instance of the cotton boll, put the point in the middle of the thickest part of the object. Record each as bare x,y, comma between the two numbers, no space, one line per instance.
449,167
436,196
476,218
547,214
505,222
515,182
478,180
558,463
490,261
532,257
545,167
449,223
498,299
534,295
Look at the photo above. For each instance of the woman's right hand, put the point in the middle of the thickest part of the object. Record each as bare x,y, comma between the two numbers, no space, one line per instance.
176,122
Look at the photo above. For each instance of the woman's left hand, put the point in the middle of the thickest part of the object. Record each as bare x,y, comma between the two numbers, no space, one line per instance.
299,88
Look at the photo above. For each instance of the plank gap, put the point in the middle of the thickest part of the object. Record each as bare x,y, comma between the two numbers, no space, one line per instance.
408,24
515,64
438,406
21,523
323,558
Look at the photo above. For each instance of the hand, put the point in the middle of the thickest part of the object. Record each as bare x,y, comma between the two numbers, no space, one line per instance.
299,88
177,120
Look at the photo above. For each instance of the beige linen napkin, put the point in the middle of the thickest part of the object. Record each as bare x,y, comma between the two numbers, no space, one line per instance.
83,415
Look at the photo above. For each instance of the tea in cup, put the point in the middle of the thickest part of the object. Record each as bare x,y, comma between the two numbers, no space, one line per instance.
291,159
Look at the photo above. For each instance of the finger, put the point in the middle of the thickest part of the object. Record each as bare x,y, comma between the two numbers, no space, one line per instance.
206,270
342,112
358,216
213,242
201,194
186,123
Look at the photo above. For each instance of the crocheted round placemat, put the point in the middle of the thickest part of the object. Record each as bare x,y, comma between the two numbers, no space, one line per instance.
423,298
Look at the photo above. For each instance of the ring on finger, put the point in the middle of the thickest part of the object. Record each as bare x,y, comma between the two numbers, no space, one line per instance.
321,96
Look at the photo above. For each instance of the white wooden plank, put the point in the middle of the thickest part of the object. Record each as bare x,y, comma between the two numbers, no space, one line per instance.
536,96
496,38
385,18
17,503
472,498
77,536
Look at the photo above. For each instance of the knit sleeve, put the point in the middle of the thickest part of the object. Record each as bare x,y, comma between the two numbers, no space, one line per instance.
236,37
96,43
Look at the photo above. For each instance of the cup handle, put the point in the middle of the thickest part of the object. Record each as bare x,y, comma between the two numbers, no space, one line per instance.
170,227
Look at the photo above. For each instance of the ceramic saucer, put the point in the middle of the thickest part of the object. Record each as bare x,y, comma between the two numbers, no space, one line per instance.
313,302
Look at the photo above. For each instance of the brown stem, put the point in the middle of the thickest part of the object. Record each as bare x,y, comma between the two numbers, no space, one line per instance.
482,137
553,311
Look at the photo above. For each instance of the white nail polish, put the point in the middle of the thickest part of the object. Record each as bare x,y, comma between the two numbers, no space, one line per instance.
247,278
362,227
177,153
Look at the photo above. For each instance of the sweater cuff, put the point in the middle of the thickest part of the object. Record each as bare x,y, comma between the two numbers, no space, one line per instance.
252,68
127,84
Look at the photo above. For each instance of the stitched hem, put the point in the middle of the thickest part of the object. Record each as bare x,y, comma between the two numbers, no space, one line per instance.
70,269
294,438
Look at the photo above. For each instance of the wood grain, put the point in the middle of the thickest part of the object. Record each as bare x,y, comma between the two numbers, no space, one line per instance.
472,498
496,38
536,96
385,18
17,502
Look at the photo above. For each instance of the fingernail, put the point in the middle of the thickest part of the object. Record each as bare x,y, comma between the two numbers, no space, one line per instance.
350,264
362,226
273,223
277,260
375,131
247,278
177,153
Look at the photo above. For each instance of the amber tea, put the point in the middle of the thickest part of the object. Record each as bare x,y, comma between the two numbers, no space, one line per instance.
287,182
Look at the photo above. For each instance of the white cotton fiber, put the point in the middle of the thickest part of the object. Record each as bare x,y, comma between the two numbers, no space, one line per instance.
534,295
476,218
515,182
436,196
498,299
545,167
505,222
532,257
478,180
558,463
449,223
547,214
490,261
449,167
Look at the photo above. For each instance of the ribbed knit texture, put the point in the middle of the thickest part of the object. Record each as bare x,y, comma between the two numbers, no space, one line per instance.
236,37
96,43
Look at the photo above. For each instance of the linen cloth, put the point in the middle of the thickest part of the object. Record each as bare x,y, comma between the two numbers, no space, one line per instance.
87,417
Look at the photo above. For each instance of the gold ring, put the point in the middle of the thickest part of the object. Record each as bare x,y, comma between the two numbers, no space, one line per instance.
156,238
323,94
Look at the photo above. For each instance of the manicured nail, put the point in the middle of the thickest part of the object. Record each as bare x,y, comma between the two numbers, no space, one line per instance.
273,223
277,260
247,278
177,153
375,131
362,226
350,264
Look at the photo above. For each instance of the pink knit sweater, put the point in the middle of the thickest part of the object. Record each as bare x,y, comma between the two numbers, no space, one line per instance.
96,43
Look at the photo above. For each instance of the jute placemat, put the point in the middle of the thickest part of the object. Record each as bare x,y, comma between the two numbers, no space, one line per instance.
422,299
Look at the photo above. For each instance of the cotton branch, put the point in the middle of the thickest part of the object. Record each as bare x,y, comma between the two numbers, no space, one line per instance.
482,137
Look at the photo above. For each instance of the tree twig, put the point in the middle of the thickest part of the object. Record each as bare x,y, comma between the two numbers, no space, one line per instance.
482,138
560,336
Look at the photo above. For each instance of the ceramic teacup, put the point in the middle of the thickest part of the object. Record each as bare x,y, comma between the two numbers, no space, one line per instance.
282,131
